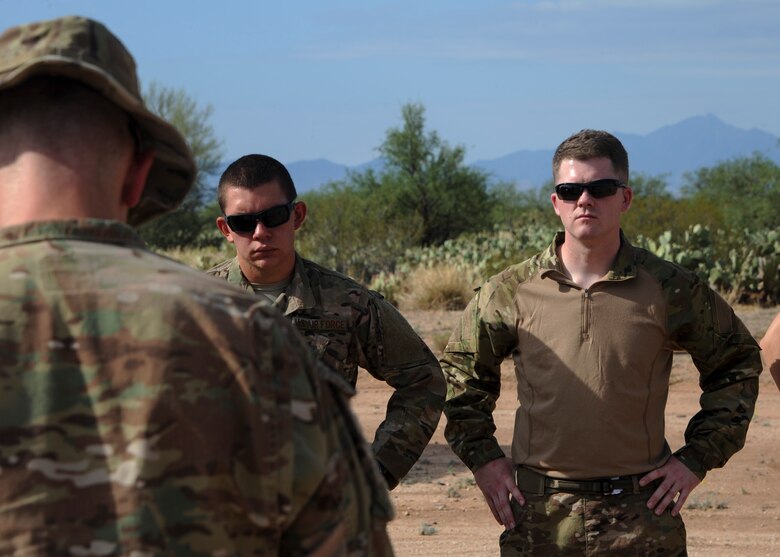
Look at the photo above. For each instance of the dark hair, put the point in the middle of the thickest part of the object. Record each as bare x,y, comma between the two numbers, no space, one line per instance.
253,171
591,144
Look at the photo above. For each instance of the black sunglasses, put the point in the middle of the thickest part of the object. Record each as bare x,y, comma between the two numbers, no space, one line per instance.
598,189
270,218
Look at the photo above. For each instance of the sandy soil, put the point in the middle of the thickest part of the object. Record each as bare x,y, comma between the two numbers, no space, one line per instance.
734,512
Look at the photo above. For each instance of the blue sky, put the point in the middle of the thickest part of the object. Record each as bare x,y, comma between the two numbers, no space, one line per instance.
325,79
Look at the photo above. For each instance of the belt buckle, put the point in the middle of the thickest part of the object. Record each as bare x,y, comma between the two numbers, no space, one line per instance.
608,488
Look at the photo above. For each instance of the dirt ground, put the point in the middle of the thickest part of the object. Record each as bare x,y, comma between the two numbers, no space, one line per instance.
734,512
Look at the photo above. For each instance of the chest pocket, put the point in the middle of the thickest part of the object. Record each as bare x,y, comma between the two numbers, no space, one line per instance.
331,339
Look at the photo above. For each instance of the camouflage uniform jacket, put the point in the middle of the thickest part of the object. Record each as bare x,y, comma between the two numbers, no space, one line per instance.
348,326
594,365
143,412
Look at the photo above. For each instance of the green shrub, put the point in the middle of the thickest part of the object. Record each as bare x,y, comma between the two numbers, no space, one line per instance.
742,265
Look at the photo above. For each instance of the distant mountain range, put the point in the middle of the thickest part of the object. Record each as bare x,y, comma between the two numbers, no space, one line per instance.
700,141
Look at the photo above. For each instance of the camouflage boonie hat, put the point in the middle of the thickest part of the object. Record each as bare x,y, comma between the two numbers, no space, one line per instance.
86,51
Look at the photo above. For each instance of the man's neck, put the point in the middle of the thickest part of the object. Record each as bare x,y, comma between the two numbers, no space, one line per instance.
36,188
587,263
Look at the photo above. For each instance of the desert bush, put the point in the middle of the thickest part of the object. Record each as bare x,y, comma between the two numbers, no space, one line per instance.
388,284
743,265
483,254
436,287
347,229
745,190
190,224
200,258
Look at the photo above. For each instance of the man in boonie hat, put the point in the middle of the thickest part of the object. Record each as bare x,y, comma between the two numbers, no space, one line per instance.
146,407
85,51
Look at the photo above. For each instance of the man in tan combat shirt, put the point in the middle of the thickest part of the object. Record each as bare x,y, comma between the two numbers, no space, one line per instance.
345,324
591,324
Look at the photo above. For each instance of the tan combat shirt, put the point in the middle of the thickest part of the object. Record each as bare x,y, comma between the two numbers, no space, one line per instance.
593,368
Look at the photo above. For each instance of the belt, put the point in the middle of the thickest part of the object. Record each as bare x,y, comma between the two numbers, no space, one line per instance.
539,484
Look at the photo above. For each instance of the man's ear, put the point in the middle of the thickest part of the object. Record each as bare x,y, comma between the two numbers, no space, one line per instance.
135,180
628,197
554,200
299,214
224,228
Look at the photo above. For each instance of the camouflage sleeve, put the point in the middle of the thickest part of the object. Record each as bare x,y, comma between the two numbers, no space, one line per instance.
338,502
392,352
368,508
471,365
729,363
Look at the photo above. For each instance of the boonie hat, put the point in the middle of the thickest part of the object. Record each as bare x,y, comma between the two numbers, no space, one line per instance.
86,51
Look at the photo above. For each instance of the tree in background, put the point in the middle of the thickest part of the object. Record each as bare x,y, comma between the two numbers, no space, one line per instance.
193,222
654,210
426,178
514,208
746,190
424,195
350,228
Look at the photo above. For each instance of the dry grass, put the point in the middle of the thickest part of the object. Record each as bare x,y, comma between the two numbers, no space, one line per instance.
439,341
437,287
200,258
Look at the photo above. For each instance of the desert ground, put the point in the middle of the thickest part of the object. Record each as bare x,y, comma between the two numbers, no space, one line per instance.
734,512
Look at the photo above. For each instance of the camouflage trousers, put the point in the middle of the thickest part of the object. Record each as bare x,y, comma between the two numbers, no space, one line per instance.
583,524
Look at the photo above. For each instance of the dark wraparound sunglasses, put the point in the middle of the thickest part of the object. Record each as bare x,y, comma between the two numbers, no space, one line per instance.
597,188
270,218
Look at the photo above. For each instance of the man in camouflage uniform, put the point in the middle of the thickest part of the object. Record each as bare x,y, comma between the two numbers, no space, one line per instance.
346,324
591,324
146,409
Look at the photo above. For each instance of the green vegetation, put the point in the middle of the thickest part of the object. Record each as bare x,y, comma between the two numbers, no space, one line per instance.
425,195
350,228
192,224
427,228
427,178
742,265
746,192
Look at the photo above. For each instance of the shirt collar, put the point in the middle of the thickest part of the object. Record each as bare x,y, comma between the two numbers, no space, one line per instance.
623,267
299,294
85,230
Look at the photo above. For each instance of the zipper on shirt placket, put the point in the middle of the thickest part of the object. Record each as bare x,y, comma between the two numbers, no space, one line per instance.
586,303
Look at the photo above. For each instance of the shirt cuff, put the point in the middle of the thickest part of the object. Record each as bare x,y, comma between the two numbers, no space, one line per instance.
479,456
687,455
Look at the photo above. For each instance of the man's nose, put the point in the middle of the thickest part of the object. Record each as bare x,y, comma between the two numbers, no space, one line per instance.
260,230
585,197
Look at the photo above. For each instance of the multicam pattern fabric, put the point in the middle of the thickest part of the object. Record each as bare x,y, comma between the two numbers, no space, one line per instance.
348,326
688,316
573,525
147,409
